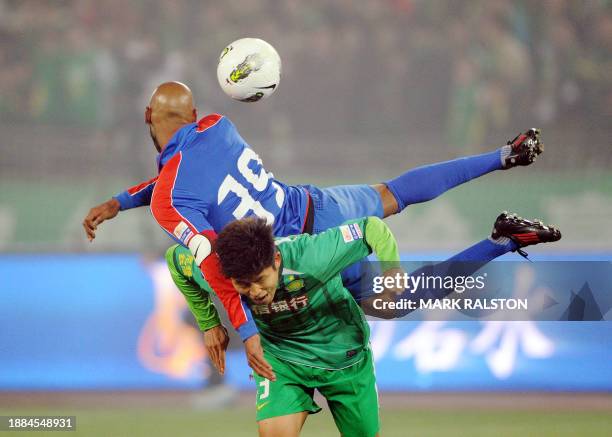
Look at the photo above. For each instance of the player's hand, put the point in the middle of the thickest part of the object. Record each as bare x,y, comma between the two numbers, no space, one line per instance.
98,214
215,342
255,357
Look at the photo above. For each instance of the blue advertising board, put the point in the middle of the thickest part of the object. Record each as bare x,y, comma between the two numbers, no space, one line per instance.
117,322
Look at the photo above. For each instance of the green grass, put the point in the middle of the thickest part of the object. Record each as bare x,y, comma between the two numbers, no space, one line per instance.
240,422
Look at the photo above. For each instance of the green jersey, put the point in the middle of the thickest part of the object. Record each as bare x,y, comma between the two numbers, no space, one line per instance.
313,320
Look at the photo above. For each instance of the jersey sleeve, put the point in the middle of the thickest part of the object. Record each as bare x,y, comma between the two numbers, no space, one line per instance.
326,254
382,242
183,271
138,195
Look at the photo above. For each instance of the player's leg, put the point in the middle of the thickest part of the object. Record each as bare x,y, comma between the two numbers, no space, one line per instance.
510,233
353,398
429,181
282,426
336,205
283,405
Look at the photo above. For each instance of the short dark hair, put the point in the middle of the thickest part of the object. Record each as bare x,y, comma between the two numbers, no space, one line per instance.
245,248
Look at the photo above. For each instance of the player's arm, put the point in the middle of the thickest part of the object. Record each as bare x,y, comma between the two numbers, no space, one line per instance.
384,245
189,227
330,252
138,195
180,263
187,277
338,248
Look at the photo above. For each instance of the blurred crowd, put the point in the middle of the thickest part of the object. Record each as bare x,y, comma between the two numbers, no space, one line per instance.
461,67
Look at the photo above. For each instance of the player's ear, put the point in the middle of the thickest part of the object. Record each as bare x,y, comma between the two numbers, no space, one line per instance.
147,115
194,115
277,260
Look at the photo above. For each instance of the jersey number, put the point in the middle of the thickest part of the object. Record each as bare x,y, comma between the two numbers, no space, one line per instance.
258,181
266,389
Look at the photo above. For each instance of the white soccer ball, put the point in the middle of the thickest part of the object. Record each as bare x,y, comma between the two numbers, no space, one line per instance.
249,70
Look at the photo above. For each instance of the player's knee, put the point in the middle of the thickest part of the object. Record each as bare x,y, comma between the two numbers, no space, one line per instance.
282,426
388,200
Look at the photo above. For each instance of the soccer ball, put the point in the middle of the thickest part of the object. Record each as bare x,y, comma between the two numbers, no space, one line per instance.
249,70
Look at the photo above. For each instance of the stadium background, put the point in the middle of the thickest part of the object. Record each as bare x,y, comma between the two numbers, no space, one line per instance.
369,89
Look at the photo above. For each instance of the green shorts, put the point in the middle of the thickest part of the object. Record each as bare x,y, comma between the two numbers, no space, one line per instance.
351,394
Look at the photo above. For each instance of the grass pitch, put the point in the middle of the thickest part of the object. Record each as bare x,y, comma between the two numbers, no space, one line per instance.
175,422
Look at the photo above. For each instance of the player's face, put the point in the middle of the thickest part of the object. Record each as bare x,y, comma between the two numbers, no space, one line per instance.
261,290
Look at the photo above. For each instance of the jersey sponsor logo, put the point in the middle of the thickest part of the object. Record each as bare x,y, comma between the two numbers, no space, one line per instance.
293,304
351,232
355,231
186,263
182,232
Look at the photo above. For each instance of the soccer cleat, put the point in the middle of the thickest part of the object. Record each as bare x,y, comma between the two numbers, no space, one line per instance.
523,232
522,150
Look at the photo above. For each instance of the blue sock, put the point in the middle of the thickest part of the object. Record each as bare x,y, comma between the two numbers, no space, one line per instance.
485,250
464,263
429,181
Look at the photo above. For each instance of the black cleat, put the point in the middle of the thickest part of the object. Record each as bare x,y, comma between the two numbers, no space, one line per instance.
523,232
522,150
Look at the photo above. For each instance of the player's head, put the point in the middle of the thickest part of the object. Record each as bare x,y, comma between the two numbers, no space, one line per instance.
171,106
249,258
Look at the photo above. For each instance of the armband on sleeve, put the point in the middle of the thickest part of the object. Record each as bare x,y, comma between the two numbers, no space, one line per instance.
200,247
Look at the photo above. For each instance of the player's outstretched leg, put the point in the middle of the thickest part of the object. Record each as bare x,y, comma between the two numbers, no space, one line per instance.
428,182
510,233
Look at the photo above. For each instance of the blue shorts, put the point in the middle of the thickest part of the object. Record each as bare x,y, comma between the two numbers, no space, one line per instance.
334,206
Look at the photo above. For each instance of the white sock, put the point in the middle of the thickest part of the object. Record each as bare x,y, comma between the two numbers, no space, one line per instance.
504,152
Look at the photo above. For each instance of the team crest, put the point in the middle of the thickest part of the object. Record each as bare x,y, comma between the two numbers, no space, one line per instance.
295,285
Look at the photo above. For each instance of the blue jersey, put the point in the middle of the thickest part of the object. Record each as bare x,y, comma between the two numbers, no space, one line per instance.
208,177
